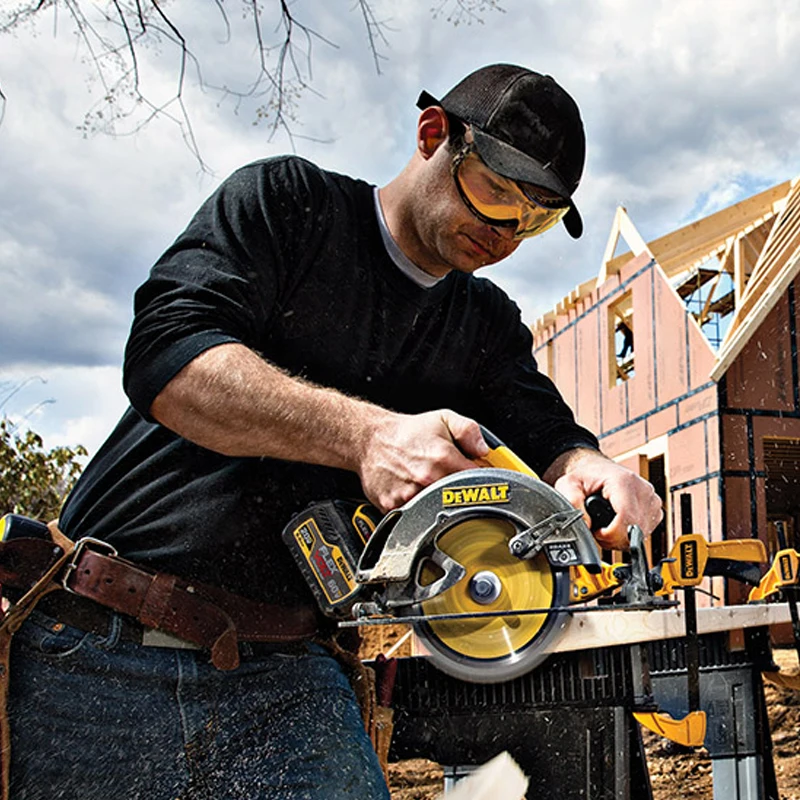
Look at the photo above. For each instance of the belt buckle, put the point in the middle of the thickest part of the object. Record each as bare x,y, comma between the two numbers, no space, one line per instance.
87,542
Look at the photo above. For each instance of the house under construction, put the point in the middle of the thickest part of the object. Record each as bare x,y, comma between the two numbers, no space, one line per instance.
682,355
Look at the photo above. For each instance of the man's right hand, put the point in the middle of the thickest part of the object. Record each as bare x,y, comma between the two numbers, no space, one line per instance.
230,400
405,453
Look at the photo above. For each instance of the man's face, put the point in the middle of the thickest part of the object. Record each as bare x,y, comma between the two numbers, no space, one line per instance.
449,234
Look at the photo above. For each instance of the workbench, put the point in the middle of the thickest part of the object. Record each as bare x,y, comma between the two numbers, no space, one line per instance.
568,723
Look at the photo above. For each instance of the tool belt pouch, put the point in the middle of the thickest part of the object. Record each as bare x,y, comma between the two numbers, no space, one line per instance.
326,541
27,551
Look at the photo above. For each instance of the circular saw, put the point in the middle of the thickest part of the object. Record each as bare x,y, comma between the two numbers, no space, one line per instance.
479,563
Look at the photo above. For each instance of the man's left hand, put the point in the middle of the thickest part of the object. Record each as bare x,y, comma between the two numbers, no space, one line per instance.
579,473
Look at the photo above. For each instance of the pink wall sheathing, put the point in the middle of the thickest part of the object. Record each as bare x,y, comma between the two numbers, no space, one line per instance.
734,448
698,405
737,508
701,516
659,422
672,362
688,454
625,439
564,365
587,408
641,388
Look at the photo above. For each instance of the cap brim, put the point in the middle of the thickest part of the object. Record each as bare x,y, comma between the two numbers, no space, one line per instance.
512,163
426,100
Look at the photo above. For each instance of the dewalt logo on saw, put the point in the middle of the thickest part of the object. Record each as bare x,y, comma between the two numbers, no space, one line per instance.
476,495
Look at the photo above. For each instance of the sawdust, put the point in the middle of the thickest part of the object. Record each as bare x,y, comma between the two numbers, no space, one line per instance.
684,775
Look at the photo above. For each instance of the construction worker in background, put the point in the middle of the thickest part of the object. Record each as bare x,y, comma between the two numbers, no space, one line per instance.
308,336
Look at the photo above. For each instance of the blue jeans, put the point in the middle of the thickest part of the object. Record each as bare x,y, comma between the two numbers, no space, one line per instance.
96,718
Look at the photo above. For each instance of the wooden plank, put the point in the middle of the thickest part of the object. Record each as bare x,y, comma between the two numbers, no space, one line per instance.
607,628
681,249
623,226
709,234
778,247
775,269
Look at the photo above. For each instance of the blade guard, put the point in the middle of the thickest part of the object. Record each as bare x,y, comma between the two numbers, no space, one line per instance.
393,550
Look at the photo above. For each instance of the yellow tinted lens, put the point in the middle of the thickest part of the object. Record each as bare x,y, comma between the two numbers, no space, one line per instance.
499,199
491,194
539,220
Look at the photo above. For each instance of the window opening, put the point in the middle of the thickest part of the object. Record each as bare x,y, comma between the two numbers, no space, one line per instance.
620,326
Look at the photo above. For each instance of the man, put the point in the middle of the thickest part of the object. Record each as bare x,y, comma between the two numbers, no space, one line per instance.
306,337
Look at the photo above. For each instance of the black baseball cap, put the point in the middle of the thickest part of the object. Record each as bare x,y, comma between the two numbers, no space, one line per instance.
525,127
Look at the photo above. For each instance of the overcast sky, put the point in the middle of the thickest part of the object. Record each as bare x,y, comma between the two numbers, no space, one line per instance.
688,107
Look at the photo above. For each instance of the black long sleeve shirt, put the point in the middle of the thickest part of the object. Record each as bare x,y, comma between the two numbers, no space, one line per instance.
288,259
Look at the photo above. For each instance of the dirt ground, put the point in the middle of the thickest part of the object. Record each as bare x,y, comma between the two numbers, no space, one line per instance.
674,776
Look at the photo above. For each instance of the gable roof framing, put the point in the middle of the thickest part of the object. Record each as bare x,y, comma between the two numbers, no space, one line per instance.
775,269
755,241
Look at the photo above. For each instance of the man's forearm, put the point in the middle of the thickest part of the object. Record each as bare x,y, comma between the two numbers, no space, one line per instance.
230,400
566,461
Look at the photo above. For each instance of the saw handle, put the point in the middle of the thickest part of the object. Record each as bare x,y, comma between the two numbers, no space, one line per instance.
501,457
600,511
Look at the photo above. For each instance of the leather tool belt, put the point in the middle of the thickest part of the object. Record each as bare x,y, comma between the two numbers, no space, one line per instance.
165,605
180,612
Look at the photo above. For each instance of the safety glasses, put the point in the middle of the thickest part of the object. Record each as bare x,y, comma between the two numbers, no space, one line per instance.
502,202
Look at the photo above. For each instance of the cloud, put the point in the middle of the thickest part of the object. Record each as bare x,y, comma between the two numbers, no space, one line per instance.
688,107
66,405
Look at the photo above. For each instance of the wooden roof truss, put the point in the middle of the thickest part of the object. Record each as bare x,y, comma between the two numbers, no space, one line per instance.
729,268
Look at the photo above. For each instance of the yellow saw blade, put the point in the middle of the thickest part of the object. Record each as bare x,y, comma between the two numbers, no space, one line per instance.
491,649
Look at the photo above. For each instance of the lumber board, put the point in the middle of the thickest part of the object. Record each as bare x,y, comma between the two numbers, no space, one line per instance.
611,627
615,627
709,233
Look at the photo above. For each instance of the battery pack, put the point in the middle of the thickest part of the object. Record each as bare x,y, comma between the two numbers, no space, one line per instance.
326,541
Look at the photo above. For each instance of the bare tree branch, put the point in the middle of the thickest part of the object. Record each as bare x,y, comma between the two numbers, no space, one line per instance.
375,32
465,12
113,34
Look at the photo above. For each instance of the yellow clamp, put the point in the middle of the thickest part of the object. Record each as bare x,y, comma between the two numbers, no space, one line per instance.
689,731
783,572
691,552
